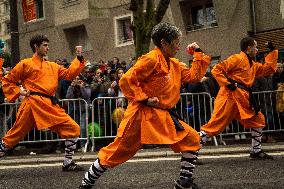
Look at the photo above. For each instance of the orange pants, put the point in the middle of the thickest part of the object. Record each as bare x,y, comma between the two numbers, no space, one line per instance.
222,116
25,122
126,146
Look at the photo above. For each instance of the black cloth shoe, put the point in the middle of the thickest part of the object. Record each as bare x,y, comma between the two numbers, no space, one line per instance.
72,167
185,184
85,187
2,154
3,149
260,155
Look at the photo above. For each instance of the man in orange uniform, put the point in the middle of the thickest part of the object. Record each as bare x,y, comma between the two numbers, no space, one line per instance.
152,86
39,108
234,100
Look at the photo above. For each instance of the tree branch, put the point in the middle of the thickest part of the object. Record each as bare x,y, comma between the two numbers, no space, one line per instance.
161,9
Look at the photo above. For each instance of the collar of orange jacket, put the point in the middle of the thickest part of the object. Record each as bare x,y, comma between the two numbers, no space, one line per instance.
162,59
37,58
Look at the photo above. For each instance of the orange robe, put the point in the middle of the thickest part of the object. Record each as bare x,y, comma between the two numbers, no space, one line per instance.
40,76
1,65
231,105
151,77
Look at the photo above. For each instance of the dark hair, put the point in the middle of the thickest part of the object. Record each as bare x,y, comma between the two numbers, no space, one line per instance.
115,57
164,31
117,70
37,40
246,42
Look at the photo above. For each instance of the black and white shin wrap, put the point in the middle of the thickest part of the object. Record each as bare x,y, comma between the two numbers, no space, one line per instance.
95,171
204,137
3,148
188,162
256,134
70,147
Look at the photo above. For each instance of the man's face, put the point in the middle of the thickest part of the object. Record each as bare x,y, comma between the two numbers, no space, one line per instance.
170,49
280,67
252,50
42,49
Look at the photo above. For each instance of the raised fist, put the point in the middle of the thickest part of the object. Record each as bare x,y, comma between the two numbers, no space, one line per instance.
191,48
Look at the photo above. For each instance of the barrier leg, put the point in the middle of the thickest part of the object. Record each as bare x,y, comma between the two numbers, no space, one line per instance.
215,141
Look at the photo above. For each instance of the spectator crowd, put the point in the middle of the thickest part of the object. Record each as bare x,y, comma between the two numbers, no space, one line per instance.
101,79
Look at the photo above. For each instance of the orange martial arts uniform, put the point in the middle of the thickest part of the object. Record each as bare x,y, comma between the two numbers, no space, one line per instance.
151,77
1,65
39,76
231,105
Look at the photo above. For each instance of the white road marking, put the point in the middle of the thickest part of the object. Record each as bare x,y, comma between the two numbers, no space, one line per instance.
135,160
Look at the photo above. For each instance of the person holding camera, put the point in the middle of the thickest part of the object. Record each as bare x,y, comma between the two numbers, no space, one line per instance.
100,84
115,90
79,90
235,77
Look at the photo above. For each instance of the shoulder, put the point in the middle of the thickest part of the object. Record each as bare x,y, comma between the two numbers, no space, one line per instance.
235,57
26,61
176,61
149,60
150,56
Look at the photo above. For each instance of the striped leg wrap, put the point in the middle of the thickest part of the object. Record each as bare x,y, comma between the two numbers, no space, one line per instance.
204,137
70,147
3,149
256,135
95,171
188,162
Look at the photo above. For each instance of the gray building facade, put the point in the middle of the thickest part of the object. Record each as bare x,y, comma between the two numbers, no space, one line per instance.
103,26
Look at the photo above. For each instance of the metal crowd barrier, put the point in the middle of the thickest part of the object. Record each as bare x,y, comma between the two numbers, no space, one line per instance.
274,120
101,118
195,108
76,108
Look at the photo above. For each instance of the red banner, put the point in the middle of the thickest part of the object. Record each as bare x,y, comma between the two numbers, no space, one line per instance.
29,11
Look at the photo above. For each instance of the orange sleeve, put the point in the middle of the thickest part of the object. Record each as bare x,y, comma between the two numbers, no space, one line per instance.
9,82
130,83
72,71
197,70
270,65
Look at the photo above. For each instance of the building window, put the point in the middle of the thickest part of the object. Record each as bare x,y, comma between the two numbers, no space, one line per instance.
32,10
6,8
8,28
198,14
78,36
39,9
123,31
67,3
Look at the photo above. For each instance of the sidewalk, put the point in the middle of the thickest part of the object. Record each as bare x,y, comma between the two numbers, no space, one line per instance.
143,153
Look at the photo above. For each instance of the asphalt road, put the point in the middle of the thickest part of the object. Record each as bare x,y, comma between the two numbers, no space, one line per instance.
224,172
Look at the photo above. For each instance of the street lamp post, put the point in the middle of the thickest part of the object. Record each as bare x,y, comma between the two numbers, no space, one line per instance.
15,51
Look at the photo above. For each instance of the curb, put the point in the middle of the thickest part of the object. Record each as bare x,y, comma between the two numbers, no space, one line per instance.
144,153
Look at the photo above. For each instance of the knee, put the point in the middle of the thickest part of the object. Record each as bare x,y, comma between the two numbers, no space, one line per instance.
74,132
77,131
